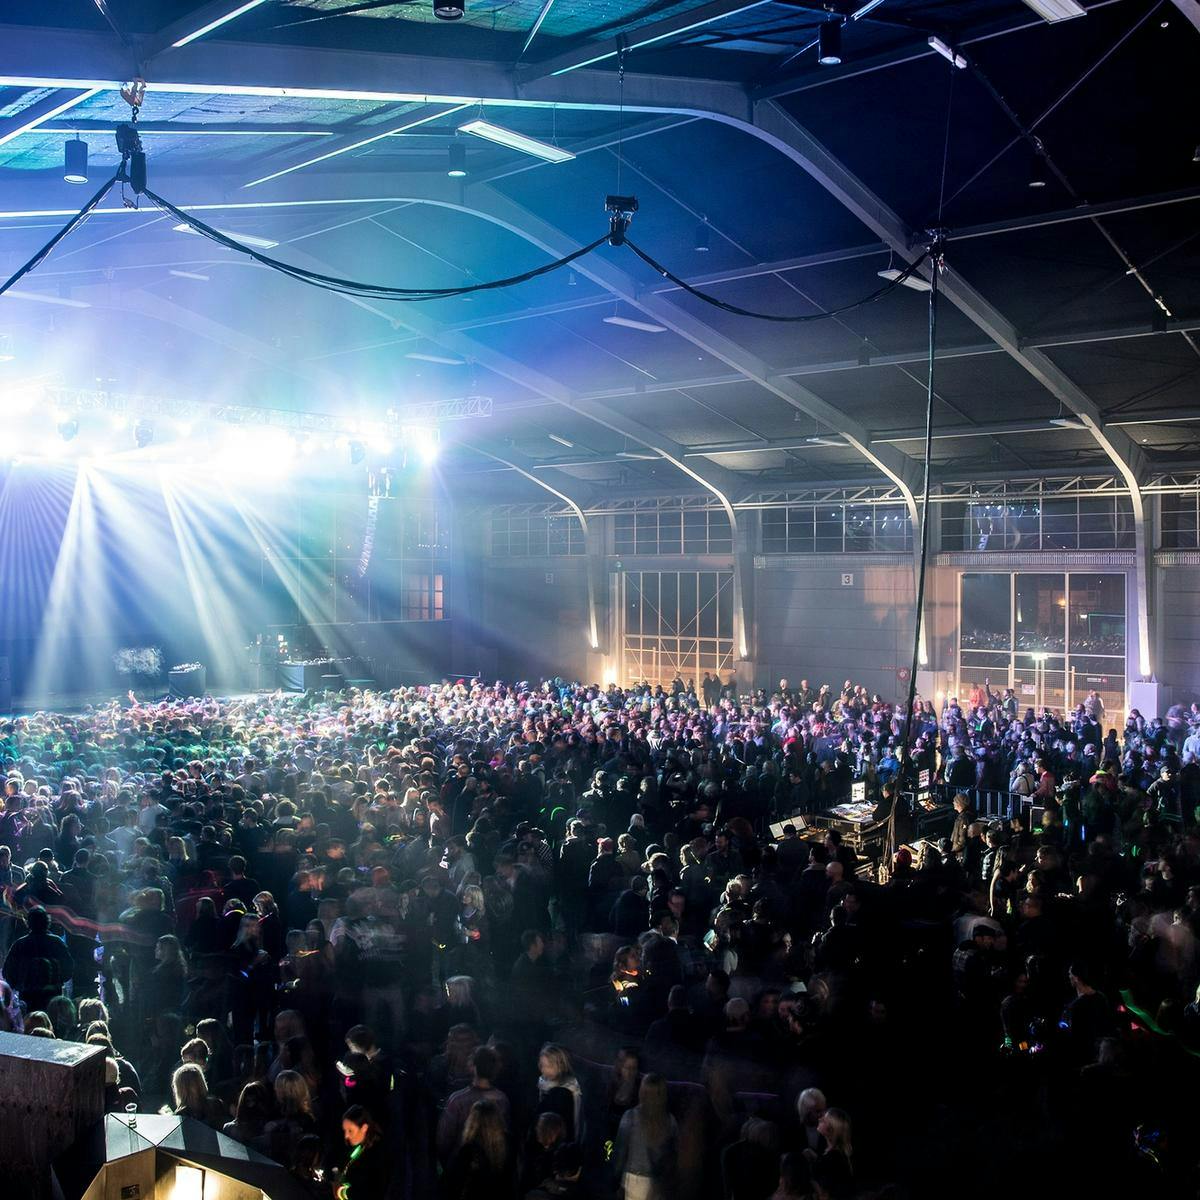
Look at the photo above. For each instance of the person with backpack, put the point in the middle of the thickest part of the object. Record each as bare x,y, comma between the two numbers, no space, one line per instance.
39,963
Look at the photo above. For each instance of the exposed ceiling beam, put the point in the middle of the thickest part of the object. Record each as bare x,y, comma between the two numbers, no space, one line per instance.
40,111
203,21
401,122
491,204
603,50
1191,10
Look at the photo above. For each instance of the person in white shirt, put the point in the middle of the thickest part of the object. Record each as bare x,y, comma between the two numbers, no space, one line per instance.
125,835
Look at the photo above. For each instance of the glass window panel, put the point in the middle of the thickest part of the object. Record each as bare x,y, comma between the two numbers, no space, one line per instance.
1021,527
1051,680
695,531
954,526
893,530
669,601
1097,617
1104,676
651,613
623,533
518,541
725,606
688,619
720,536
1060,524
774,531
991,660
670,533
986,621
860,527
633,603
985,527
1041,613
707,585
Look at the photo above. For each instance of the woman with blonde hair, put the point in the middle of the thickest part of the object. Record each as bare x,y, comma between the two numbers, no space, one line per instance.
556,1075
189,1090
481,1167
834,1127
474,955
296,1118
647,1145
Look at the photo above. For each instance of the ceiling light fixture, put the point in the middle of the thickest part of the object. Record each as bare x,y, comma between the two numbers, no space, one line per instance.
444,359
562,441
458,161
217,22
249,239
701,245
516,141
912,281
1068,422
630,323
823,441
187,274
638,457
829,43
1056,10
449,10
75,161
948,52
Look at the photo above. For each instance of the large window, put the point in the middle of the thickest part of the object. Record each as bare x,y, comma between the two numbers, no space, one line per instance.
1052,637
1052,523
690,531
836,529
536,536
424,596
676,622
1181,521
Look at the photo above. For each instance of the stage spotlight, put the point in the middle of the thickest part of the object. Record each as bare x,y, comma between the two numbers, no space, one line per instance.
357,453
829,43
426,444
458,161
68,428
143,434
75,164
449,10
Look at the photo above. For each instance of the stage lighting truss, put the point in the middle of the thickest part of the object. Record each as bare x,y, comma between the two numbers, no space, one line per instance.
396,425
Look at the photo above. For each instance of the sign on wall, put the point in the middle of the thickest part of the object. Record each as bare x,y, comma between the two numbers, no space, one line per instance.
847,579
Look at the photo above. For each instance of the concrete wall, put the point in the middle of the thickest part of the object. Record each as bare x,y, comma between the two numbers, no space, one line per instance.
534,617
810,624
1178,610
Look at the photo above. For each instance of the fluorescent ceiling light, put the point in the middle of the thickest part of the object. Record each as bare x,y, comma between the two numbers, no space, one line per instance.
1056,10
1068,422
187,274
46,298
445,360
249,239
562,441
516,141
630,323
912,281
635,455
948,53
217,22
822,441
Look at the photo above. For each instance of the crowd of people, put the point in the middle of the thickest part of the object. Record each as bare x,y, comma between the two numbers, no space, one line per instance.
538,940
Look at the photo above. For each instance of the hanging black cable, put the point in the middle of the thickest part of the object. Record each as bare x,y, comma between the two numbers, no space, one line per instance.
73,223
923,559
819,315
377,291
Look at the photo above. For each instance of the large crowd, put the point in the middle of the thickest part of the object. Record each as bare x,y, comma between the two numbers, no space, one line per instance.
548,940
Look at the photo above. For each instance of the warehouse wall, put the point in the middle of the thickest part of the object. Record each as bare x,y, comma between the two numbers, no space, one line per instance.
833,617
1178,660
534,617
